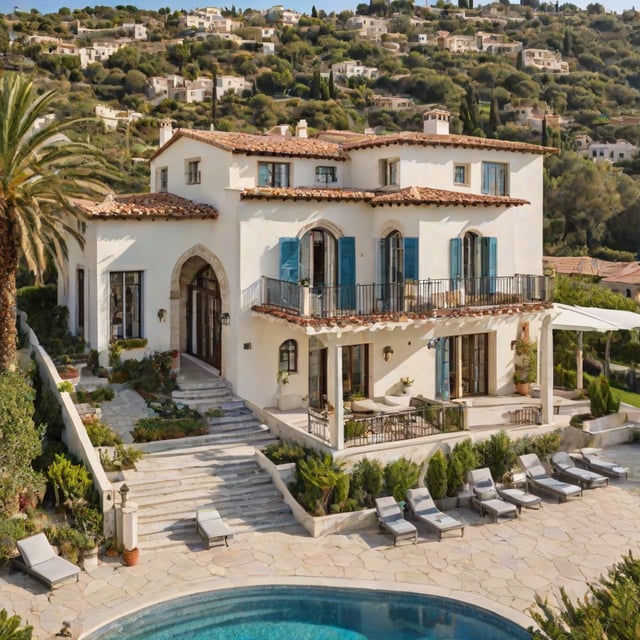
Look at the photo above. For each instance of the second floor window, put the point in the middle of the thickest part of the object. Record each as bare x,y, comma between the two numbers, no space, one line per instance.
461,174
273,174
495,179
389,172
163,180
125,304
192,171
326,175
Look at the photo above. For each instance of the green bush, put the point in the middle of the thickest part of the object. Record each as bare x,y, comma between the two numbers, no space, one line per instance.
564,377
65,387
400,476
69,541
152,429
455,475
121,459
497,453
321,480
601,399
19,439
10,628
577,419
70,481
88,521
466,454
284,452
354,429
101,434
367,482
12,530
152,374
94,398
436,477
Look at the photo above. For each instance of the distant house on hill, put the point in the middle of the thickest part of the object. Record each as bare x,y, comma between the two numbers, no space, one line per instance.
353,68
544,59
368,27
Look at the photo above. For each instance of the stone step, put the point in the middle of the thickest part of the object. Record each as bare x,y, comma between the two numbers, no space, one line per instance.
241,418
164,446
212,382
176,477
201,394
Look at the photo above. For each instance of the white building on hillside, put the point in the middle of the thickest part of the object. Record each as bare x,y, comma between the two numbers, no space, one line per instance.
368,27
113,117
544,59
235,84
611,151
98,52
353,68
349,262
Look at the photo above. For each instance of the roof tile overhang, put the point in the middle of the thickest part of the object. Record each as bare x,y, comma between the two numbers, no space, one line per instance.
146,206
261,145
407,196
391,320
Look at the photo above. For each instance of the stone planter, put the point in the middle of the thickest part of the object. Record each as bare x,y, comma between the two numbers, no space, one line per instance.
89,558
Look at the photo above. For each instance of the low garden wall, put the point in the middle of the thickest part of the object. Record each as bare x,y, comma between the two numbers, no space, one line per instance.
74,435
611,429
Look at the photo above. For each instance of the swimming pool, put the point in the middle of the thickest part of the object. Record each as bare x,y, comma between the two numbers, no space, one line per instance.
311,613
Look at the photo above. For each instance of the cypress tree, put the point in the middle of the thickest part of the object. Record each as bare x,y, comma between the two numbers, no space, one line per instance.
214,98
314,12
332,86
494,116
545,133
315,87
567,43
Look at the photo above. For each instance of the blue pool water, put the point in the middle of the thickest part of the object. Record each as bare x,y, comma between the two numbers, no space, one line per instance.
311,613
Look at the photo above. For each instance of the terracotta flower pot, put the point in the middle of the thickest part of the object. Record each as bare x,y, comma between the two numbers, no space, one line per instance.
130,557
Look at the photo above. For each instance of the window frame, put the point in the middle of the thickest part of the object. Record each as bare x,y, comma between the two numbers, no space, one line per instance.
492,184
464,166
289,363
163,180
389,172
321,173
192,173
136,303
274,176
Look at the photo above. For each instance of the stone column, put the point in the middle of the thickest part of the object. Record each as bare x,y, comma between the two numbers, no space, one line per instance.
130,525
546,370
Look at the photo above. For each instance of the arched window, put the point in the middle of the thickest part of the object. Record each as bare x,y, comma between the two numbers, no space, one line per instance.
288,356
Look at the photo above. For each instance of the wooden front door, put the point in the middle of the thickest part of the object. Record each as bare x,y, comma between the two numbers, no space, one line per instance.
204,337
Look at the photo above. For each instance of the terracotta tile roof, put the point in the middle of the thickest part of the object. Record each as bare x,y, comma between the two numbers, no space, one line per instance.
305,193
442,197
259,145
147,205
629,273
320,324
582,265
438,140
408,196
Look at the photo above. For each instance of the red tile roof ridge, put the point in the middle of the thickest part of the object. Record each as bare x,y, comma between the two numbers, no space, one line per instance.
431,195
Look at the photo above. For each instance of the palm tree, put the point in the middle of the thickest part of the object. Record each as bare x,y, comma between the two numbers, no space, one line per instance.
41,173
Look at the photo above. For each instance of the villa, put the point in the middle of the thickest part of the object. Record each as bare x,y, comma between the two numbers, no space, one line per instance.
349,266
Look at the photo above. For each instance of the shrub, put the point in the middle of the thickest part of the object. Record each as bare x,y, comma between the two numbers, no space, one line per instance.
152,429
65,387
496,453
19,439
577,419
152,374
546,443
455,475
69,541
70,481
88,521
354,429
400,476
436,477
12,530
601,399
320,477
466,455
121,459
94,398
10,627
284,452
367,482
101,434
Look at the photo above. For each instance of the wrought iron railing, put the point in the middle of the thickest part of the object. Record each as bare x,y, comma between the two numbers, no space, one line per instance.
415,296
359,430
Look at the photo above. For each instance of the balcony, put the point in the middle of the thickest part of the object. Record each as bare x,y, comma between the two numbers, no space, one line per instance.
416,296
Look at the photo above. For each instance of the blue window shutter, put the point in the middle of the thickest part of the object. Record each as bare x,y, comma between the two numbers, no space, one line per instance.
411,259
455,261
490,262
289,259
347,272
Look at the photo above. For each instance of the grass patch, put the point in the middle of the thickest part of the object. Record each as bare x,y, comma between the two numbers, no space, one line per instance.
152,429
624,395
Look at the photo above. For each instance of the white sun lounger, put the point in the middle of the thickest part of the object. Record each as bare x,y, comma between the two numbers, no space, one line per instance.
485,496
565,468
38,559
592,460
212,528
539,480
424,510
391,519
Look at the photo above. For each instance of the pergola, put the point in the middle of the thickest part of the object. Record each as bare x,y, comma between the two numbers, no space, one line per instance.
583,319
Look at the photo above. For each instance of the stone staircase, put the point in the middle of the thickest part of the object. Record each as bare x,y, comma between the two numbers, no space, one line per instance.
215,470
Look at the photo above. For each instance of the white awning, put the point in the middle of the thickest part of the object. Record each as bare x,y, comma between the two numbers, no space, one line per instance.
593,319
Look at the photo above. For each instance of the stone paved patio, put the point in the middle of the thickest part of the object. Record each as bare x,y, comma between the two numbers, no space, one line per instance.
501,566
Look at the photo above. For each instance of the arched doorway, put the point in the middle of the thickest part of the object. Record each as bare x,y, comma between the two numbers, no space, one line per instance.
204,329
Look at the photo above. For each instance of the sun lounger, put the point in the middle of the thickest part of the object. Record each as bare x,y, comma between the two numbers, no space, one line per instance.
539,481
591,459
38,559
424,510
212,528
391,519
520,498
564,467
485,496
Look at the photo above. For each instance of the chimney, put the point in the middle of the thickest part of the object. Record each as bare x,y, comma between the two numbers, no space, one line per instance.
166,131
436,121
301,129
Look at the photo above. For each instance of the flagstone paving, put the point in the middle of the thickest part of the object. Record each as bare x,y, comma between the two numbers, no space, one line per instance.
507,563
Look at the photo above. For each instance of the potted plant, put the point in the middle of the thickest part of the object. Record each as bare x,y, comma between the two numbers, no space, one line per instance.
526,365
67,371
282,377
406,382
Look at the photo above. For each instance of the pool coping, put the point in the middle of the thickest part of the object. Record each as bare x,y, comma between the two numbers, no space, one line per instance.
91,624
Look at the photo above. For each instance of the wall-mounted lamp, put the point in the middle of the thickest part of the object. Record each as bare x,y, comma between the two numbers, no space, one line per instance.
162,314
225,319
433,343
124,492
387,352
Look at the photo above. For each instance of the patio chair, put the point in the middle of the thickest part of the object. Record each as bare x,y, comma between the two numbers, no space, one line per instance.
538,480
591,459
391,519
484,496
564,467
425,511
212,528
38,559
520,498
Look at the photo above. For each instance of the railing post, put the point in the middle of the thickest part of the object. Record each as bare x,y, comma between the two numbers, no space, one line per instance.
305,301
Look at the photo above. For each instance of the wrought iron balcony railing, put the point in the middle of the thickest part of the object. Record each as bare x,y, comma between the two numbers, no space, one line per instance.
415,296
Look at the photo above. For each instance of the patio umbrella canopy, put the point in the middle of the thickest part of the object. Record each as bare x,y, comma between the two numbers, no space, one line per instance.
571,318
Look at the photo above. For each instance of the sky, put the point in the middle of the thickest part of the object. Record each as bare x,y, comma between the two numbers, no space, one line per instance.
51,6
